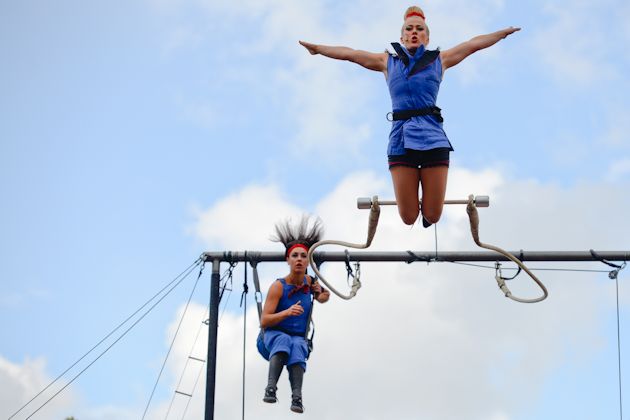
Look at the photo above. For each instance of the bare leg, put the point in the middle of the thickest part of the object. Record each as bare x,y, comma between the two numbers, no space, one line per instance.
433,181
406,183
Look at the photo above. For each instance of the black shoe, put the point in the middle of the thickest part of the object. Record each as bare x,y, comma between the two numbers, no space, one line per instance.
296,405
270,395
425,222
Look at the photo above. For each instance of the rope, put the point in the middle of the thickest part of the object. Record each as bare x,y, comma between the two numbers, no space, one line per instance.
194,387
181,377
375,212
575,270
618,343
244,305
473,216
228,273
185,274
192,292
614,275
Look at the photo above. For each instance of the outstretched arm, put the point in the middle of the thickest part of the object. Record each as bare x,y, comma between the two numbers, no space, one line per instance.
371,61
455,55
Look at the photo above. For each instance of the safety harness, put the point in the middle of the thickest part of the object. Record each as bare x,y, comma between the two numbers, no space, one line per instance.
428,57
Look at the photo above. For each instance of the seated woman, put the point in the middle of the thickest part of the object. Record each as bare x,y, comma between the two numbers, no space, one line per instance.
287,308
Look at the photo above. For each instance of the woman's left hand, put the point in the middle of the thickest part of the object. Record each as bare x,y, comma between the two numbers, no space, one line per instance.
312,48
510,31
317,289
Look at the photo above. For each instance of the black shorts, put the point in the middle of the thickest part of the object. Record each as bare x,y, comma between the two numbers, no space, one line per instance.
421,158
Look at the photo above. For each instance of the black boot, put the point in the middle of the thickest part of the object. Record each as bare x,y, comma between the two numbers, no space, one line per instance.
276,363
270,395
296,377
296,405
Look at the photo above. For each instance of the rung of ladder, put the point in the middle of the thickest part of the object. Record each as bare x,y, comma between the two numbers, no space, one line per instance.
197,359
183,393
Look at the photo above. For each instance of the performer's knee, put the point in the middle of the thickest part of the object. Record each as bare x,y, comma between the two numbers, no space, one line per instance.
408,217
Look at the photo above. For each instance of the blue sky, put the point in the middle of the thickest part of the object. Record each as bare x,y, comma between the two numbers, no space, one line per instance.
136,135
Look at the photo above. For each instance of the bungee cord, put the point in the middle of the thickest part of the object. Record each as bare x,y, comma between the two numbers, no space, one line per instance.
473,216
471,208
375,212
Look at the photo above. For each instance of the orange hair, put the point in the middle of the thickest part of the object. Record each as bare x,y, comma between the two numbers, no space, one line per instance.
414,11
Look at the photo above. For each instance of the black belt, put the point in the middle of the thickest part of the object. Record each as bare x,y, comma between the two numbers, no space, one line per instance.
405,114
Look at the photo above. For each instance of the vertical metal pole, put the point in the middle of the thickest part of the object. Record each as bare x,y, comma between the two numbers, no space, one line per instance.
211,359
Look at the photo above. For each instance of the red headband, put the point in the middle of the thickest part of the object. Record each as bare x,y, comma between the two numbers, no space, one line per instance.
296,246
415,14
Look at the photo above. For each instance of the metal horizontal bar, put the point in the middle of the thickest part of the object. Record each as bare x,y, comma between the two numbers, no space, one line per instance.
410,256
367,202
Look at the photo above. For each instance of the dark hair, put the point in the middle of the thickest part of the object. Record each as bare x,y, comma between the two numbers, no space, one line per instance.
289,234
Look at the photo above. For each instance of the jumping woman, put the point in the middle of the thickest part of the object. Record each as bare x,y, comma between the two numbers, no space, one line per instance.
418,150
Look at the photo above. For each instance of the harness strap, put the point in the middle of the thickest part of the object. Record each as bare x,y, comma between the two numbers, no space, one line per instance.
405,114
258,294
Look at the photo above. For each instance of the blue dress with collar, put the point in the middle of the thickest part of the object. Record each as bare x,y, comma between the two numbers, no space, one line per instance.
414,88
288,336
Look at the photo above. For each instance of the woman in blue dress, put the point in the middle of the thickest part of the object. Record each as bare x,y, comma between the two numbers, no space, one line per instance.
418,149
286,312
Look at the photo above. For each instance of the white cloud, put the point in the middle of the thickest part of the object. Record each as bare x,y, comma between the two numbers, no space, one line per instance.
14,300
200,112
427,335
619,170
332,99
330,103
615,135
414,330
21,382
244,220
181,37
574,51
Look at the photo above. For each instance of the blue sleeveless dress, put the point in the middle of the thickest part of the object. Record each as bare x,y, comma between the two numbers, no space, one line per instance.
415,91
288,335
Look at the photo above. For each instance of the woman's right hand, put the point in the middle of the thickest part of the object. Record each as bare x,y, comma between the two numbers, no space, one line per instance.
295,309
312,48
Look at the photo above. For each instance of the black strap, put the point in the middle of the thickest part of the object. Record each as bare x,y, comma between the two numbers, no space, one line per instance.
599,258
402,54
405,114
428,57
